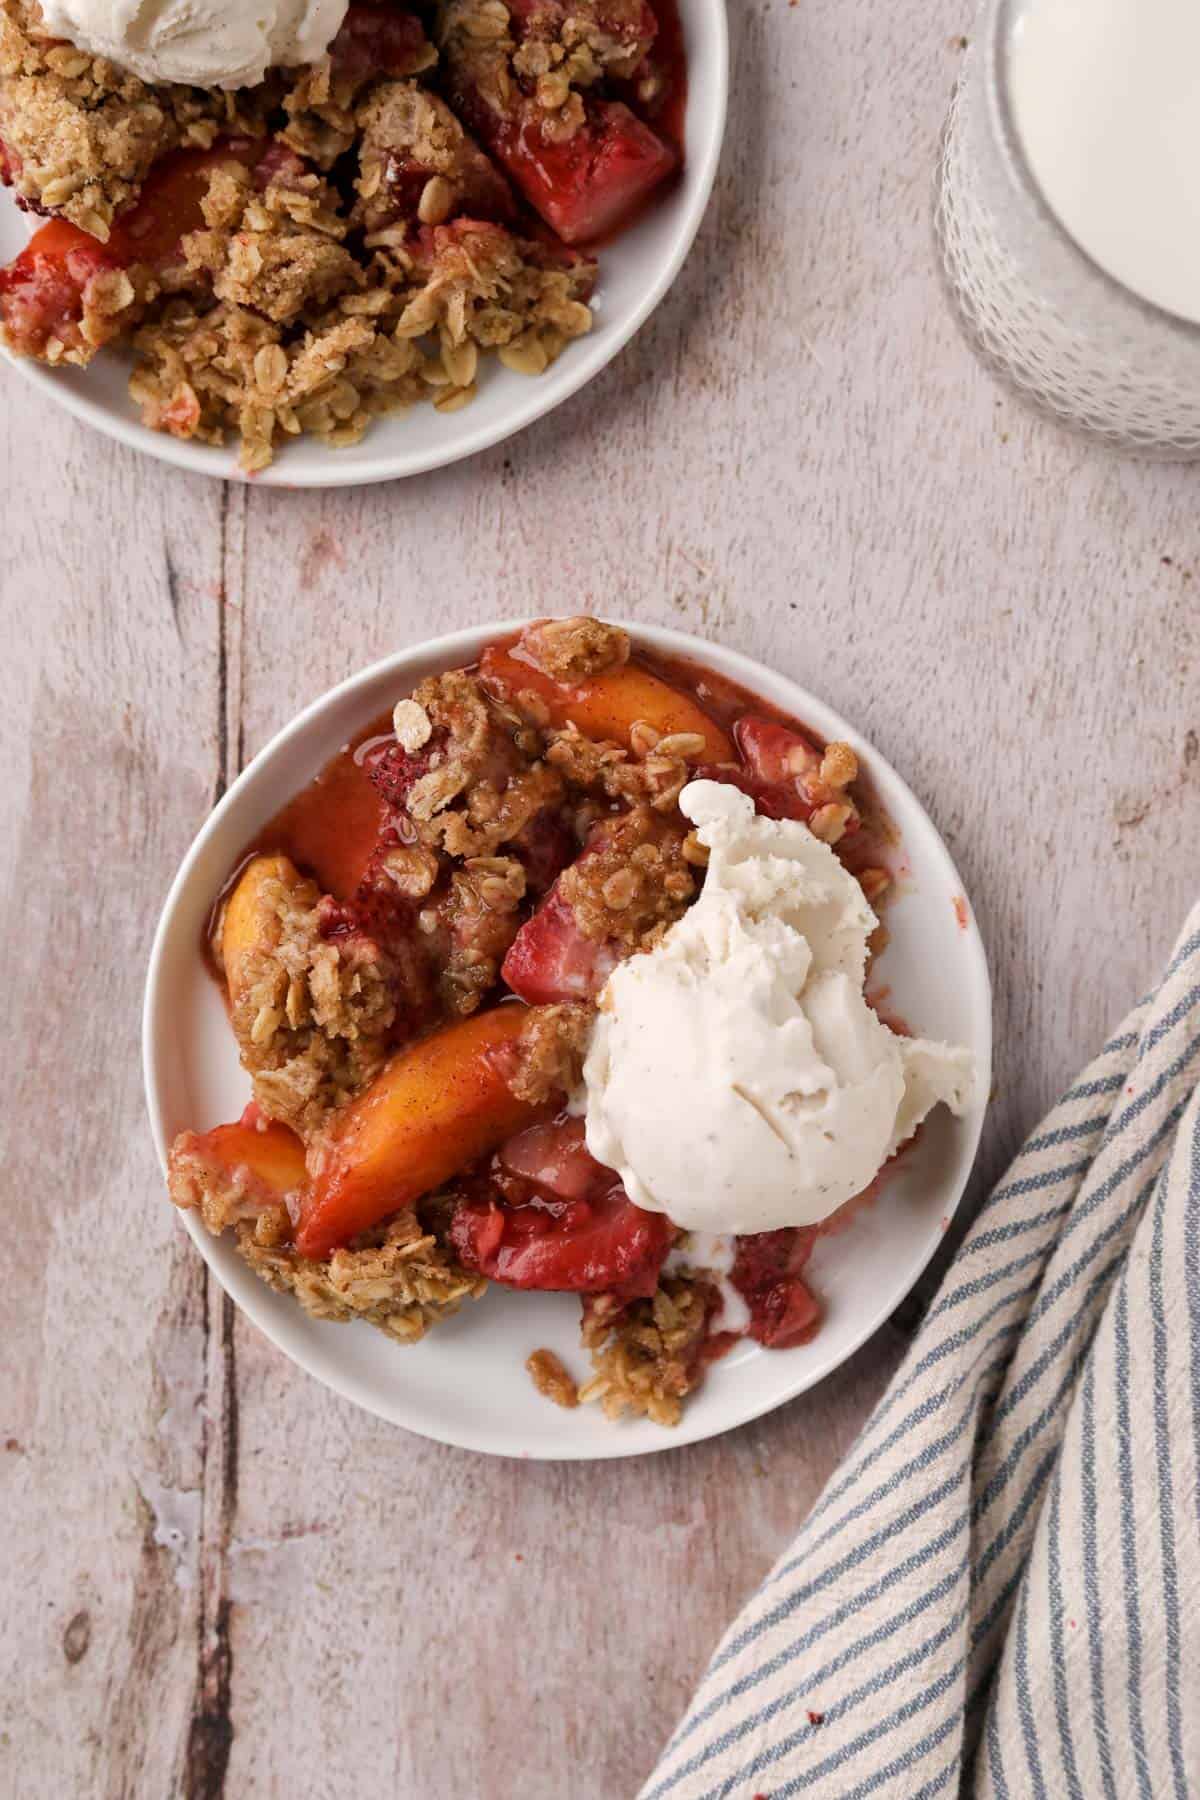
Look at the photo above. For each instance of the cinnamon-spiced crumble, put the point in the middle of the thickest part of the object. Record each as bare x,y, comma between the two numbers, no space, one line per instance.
311,1016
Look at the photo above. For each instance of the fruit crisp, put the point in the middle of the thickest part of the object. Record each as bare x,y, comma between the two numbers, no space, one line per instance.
342,240
412,954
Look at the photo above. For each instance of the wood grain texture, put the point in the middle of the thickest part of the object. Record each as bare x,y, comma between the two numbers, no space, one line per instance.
218,1578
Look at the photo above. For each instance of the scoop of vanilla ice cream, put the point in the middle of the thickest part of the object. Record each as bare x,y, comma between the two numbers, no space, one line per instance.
737,1078
200,43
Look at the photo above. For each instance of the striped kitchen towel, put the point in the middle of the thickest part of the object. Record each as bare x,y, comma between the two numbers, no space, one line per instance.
999,1592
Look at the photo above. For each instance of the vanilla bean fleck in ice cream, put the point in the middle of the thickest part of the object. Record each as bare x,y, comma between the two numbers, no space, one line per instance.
737,1078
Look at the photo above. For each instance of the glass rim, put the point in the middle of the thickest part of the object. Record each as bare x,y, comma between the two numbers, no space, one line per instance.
1003,15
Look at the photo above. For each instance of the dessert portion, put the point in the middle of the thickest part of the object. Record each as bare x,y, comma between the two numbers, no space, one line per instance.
302,217
554,979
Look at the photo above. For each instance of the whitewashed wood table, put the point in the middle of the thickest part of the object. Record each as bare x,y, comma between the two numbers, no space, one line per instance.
218,1579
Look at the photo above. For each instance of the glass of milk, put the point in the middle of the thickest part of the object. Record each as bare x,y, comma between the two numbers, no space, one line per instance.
1067,213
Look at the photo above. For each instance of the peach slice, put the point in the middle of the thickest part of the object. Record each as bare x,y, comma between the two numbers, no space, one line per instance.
270,1153
607,705
435,1108
250,1172
248,924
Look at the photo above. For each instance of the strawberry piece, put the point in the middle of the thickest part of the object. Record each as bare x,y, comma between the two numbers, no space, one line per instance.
591,183
44,290
584,1247
575,1232
772,802
395,771
774,754
545,847
554,1158
551,960
779,764
790,1315
766,1273
377,39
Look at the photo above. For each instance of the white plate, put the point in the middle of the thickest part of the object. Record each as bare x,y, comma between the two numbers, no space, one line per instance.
465,1383
635,272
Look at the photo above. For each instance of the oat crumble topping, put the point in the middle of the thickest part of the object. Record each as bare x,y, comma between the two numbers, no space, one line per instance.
551,1378
655,770
646,1355
543,75
398,1278
572,649
349,358
280,251
311,1017
483,912
550,1052
411,724
414,149
633,883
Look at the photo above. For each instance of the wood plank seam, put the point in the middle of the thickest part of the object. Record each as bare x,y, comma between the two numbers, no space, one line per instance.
211,1727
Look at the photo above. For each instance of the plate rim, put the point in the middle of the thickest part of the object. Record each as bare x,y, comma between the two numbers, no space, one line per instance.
449,650
566,378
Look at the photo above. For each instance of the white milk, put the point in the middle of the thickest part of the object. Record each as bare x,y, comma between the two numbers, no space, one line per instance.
1106,96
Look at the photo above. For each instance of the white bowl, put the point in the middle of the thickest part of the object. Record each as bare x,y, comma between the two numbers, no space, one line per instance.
635,272
465,1383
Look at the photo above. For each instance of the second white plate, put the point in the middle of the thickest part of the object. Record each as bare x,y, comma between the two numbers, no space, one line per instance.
635,272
